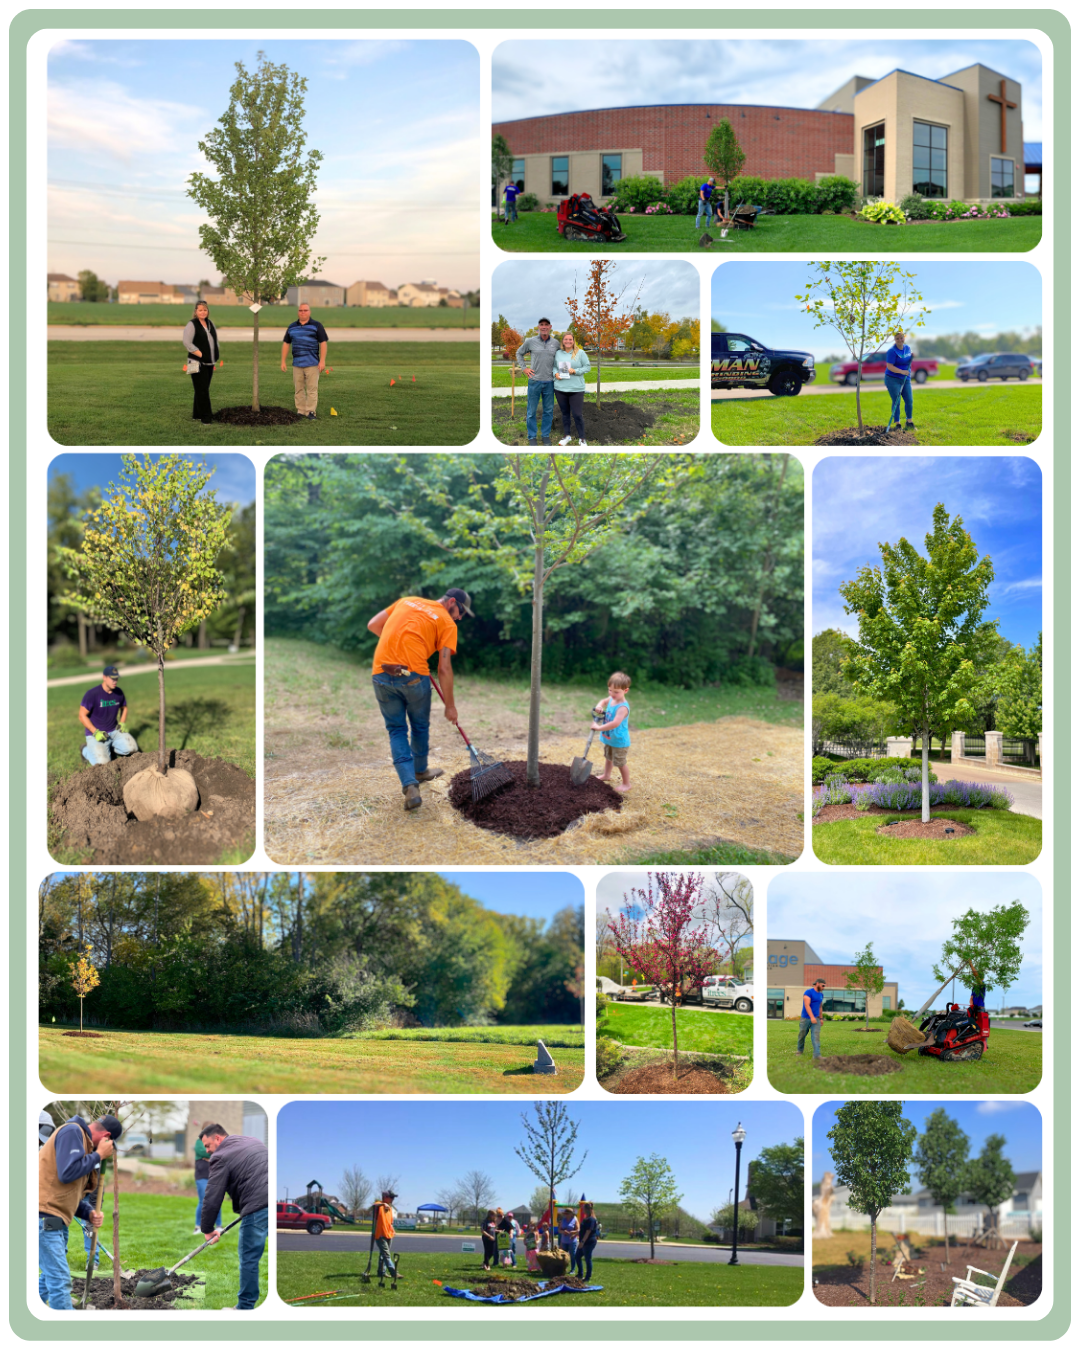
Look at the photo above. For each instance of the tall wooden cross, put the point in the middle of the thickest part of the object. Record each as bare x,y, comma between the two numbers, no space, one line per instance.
1004,102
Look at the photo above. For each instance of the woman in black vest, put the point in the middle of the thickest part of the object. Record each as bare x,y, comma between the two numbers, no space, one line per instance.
200,340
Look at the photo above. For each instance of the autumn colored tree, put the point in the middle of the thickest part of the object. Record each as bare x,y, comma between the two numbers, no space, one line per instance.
84,978
654,934
511,340
595,317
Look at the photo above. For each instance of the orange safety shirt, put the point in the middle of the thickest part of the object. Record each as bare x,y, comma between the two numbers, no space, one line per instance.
384,1220
414,628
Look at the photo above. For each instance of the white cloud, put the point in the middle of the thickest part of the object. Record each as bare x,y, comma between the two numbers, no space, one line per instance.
102,115
998,1108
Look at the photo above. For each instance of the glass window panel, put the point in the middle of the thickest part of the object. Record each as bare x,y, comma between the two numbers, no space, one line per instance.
517,174
938,159
939,137
611,172
922,133
560,176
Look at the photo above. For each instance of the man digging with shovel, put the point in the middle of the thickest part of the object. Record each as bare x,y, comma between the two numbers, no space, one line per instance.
69,1163
240,1169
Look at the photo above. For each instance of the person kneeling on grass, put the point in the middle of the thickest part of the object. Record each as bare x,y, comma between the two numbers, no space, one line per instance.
810,1021
103,712
615,730
240,1169
898,381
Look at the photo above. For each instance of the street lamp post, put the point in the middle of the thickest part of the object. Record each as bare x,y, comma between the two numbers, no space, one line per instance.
738,1134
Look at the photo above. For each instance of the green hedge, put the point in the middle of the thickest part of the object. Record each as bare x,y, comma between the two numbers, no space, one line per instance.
861,770
637,193
1033,208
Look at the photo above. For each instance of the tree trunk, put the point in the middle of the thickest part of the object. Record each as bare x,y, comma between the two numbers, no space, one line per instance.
945,1227
239,631
873,1258
204,641
598,363
858,396
532,763
674,1035
161,709
652,1235
768,565
255,366
80,1013
926,774
83,649
118,1295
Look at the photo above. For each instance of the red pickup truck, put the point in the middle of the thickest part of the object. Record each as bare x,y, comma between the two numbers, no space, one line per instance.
292,1216
873,368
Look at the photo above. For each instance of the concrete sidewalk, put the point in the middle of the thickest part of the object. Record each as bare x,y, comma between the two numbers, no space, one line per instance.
619,387
107,332
869,387
150,667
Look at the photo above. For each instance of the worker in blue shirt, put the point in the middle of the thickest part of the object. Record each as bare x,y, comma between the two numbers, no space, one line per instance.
898,380
307,340
704,203
810,1021
511,192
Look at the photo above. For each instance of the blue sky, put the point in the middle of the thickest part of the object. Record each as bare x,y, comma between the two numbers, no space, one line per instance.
233,480
907,919
859,501
397,122
428,1145
1019,1122
981,297
526,291
777,72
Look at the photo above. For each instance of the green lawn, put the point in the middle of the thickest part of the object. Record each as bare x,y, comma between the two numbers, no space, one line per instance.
677,423
568,1037
275,319
1003,838
130,393
625,1283
717,855
1012,1063
610,372
1006,414
649,1026
156,1230
537,231
144,1061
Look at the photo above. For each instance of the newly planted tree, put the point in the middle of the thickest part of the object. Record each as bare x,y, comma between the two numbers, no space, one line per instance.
987,942
261,203
871,1145
867,976
941,1163
548,1147
654,934
920,630
724,156
84,978
650,1192
597,319
866,303
511,340
990,1180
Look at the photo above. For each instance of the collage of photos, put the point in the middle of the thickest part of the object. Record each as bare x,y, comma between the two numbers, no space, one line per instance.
429,751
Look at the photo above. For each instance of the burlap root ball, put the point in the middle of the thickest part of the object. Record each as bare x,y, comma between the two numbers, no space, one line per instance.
151,793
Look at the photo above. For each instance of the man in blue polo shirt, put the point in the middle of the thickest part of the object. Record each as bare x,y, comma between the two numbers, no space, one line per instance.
810,1021
103,712
510,192
704,202
307,339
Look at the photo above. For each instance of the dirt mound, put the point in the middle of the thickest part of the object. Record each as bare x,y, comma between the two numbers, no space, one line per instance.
101,1293
93,1035
613,423
88,811
930,829
840,1286
869,436
265,417
846,811
532,813
867,1066
658,1077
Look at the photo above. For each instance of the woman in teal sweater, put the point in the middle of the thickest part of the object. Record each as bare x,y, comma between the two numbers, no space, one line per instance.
571,363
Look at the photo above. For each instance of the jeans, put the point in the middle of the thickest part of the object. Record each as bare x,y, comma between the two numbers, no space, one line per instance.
201,1184
405,704
584,1259
200,405
386,1260
572,405
570,1245
252,1244
897,387
119,742
545,390
511,211
703,208
54,1279
513,1251
814,1028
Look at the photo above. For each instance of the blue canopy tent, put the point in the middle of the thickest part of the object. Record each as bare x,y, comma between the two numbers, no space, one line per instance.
434,1211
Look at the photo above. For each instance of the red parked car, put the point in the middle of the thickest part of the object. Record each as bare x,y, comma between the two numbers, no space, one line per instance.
873,368
292,1216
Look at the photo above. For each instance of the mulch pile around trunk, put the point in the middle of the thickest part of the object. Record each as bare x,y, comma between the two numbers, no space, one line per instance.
844,1286
867,1066
828,814
613,423
929,829
88,811
658,1077
867,437
101,1293
93,1035
265,417
532,813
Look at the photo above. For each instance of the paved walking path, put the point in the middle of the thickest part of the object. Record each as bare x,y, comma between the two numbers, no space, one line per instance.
151,667
107,332
619,387
869,387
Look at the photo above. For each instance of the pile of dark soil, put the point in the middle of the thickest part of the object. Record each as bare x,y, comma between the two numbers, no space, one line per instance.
869,436
88,811
613,423
866,1066
532,813
919,829
93,1035
265,417
101,1293
846,1286
658,1077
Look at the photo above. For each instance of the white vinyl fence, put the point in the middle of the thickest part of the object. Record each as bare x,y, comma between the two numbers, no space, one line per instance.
931,1223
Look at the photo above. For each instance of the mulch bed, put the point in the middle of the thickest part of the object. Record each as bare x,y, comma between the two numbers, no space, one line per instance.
488,1286
929,829
613,423
844,1286
867,437
101,1293
867,1066
265,417
93,1035
828,814
658,1077
88,811
532,813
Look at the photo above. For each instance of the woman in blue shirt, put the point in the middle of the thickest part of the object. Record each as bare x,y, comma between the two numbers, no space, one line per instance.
898,381
571,363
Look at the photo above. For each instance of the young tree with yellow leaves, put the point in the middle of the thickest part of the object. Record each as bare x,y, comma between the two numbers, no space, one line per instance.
84,978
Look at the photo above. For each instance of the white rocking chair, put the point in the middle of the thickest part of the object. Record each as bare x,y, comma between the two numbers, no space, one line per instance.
968,1294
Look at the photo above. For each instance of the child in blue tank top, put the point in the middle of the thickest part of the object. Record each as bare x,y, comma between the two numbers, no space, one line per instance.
615,730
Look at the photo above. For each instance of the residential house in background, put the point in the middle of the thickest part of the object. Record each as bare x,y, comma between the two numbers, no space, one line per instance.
918,1212
370,295
219,295
63,287
317,294
155,293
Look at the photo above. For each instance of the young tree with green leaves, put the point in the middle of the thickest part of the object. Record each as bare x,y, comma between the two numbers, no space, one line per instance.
725,1217
548,1148
867,976
261,203
988,943
650,1192
866,303
990,1180
724,156
941,1163
147,563
920,630
871,1146
774,1179
1017,685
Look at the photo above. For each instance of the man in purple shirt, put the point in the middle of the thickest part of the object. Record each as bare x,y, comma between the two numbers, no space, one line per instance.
103,712
810,1021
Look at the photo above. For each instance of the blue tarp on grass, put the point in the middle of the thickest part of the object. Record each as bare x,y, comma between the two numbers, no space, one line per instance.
544,1290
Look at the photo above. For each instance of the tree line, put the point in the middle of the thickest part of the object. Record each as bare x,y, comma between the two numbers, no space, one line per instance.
653,332
297,953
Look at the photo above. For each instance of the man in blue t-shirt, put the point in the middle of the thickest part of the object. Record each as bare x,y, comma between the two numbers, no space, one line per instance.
511,193
103,712
810,1021
898,381
307,339
704,202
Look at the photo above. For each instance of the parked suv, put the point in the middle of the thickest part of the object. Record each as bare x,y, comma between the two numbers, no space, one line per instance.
997,366
292,1216
739,362
873,368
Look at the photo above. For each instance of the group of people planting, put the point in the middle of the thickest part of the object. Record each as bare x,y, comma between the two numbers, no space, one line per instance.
500,1231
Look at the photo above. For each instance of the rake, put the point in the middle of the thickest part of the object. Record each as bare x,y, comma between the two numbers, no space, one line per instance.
488,774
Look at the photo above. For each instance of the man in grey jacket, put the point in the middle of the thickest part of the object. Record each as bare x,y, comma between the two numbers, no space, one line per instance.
536,356
240,1169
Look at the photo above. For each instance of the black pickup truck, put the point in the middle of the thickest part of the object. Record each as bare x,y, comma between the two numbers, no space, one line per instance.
738,362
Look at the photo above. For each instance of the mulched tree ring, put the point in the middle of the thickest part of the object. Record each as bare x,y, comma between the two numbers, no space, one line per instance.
612,423
524,812
101,1293
866,1066
845,1287
869,436
265,417
658,1077
828,814
90,1035
925,829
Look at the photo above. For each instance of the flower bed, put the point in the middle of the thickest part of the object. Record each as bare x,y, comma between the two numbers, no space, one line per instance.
907,796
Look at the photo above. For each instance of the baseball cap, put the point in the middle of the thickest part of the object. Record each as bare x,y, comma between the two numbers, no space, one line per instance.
111,1126
540,321
46,1126
463,598
113,672
392,1194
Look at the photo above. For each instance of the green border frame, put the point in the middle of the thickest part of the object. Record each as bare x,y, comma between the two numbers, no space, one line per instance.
990,23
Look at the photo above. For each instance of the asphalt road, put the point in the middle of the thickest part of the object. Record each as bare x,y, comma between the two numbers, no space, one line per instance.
870,387
340,1239
107,332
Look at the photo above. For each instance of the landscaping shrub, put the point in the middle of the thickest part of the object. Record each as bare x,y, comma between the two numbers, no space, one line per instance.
863,770
882,213
528,201
836,193
836,790
916,207
785,196
682,196
1025,208
608,1057
635,194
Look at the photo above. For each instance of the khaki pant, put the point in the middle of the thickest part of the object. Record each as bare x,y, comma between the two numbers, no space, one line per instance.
305,380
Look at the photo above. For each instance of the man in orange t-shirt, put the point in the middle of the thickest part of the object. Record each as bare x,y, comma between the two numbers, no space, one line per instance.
409,631
382,1214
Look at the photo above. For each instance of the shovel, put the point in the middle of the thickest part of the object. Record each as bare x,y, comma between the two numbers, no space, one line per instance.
94,1238
160,1281
581,768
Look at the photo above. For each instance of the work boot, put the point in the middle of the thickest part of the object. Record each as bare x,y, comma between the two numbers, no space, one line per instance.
910,425
546,440
532,442
412,797
428,775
